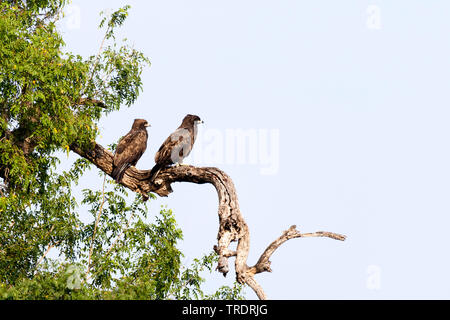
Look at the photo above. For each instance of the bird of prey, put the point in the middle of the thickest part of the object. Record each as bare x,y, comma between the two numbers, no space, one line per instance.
130,148
177,146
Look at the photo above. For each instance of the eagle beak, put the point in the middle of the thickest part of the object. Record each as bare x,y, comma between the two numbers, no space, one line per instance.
148,125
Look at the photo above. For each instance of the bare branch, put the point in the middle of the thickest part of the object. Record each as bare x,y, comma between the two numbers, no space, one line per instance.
49,247
232,226
263,263
46,252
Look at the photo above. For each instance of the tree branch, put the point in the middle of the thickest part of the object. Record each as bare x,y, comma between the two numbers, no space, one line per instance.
232,226
263,263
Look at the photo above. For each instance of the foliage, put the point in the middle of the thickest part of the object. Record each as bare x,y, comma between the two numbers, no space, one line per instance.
51,100
130,258
116,255
188,286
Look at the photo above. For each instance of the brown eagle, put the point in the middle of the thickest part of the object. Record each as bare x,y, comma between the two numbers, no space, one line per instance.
178,145
130,148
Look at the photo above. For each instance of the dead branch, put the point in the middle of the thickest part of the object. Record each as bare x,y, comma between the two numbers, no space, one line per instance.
232,226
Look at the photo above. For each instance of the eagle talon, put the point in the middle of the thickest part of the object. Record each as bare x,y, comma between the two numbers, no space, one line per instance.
179,164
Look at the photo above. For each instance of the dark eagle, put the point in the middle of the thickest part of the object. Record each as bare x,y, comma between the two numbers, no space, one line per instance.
130,148
178,145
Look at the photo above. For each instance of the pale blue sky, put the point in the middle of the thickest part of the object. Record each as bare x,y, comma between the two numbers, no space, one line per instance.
363,122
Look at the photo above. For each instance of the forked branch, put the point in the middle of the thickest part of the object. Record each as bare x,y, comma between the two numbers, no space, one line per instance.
232,226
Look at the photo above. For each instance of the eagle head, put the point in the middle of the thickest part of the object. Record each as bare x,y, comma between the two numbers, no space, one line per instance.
140,124
191,120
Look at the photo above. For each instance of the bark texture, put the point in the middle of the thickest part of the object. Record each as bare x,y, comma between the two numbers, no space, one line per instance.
232,226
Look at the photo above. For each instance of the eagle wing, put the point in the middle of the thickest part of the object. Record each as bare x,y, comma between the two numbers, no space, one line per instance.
129,150
131,147
175,148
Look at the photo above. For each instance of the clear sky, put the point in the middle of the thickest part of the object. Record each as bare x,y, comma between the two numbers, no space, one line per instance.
344,107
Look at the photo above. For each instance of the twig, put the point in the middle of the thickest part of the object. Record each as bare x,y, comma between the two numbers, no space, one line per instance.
46,252
120,235
95,226
115,241
49,247
98,55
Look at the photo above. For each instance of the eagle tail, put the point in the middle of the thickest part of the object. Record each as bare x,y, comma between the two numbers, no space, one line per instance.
118,172
155,170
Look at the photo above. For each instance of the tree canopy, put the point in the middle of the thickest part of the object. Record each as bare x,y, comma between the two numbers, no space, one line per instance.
51,101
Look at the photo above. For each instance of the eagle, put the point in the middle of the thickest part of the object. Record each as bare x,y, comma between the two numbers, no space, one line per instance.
177,146
130,148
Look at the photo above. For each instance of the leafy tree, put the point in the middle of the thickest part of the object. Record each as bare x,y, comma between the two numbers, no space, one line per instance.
50,101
